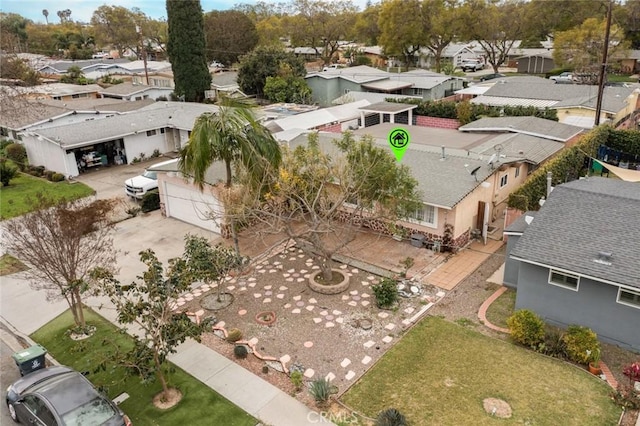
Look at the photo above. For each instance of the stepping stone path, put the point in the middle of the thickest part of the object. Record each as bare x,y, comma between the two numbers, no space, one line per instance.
286,294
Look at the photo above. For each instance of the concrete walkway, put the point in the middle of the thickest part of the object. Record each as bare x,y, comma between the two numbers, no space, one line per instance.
248,391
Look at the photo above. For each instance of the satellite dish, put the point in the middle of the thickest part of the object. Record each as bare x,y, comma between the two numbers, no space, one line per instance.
498,147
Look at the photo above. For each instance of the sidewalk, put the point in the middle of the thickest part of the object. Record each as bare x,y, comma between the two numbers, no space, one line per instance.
270,405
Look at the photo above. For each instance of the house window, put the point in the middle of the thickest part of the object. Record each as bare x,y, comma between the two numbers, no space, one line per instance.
162,130
346,91
151,132
517,171
629,297
503,181
564,280
424,215
417,92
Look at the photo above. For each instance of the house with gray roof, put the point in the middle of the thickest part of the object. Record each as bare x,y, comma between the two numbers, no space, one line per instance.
129,91
575,103
115,139
577,259
329,85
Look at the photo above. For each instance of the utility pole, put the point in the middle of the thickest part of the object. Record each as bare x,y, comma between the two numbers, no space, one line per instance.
603,69
144,53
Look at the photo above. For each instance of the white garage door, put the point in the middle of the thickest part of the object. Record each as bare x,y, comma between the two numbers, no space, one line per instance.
192,206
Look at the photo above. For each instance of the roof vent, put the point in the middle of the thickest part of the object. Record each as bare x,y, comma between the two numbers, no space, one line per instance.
604,258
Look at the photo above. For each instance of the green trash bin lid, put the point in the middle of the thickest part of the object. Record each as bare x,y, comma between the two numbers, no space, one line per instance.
29,353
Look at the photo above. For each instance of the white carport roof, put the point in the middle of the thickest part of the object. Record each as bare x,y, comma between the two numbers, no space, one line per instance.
476,89
504,101
320,117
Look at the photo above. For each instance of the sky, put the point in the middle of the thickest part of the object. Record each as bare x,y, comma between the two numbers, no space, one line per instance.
81,10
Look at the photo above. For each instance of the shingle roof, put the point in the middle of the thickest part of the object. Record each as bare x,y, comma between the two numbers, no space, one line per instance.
180,115
534,89
581,219
528,125
443,182
512,147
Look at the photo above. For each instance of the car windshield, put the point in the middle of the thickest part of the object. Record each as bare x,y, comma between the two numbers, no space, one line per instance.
151,175
95,412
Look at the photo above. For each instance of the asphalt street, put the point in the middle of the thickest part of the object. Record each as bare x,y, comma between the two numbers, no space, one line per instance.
8,374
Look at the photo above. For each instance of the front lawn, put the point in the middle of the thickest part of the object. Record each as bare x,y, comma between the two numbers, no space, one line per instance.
199,404
13,198
10,265
440,373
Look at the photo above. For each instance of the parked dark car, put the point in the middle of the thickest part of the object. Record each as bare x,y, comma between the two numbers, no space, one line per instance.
491,76
60,396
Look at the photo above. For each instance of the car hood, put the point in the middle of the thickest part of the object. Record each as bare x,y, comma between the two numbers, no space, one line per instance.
140,181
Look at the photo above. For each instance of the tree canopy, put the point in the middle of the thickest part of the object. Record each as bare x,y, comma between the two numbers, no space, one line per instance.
581,48
62,243
186,49
263,62
229,34
319,200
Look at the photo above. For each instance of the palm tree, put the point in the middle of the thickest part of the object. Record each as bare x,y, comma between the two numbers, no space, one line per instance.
45,12
231,134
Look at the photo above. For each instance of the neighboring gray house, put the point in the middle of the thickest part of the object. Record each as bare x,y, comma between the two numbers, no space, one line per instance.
578,259
536,63
329,85
575,103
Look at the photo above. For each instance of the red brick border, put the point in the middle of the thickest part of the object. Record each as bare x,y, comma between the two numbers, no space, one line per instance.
482,313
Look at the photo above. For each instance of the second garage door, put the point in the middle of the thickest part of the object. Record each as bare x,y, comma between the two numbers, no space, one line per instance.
192,206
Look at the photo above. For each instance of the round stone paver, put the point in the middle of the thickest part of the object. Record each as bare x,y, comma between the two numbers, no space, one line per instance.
308,344
497,407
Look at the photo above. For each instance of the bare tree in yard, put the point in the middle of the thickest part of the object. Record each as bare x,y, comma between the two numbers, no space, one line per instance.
320,201
495,26
62,242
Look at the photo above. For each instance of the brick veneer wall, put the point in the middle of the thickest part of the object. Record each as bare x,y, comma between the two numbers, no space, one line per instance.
443,123
333,128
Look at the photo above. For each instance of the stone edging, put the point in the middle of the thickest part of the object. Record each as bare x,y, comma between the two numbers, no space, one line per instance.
329,289
252,345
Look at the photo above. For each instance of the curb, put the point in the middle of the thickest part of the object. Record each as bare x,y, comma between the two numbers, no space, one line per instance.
17,340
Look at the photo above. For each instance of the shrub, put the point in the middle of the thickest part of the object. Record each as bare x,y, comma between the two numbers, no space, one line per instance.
632,371
526,328
3,144
627,397
156,153
581,343
390,417
240,351
133,211
49,174
17,153
296,380
386,293
553,345
7,172
38,171
234,335
150,201
57,177
321,390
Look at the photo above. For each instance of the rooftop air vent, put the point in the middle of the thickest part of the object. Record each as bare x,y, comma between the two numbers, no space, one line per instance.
604,258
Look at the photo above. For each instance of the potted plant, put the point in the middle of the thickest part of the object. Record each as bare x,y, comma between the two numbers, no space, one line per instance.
594,362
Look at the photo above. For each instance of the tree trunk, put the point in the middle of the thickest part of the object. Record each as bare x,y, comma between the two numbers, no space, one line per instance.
325,267
227,165
80,311
234,235
163,380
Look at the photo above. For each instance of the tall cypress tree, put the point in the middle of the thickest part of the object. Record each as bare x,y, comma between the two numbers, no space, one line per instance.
186,49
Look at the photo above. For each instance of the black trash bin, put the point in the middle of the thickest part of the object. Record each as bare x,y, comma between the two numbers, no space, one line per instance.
30,359
417,240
